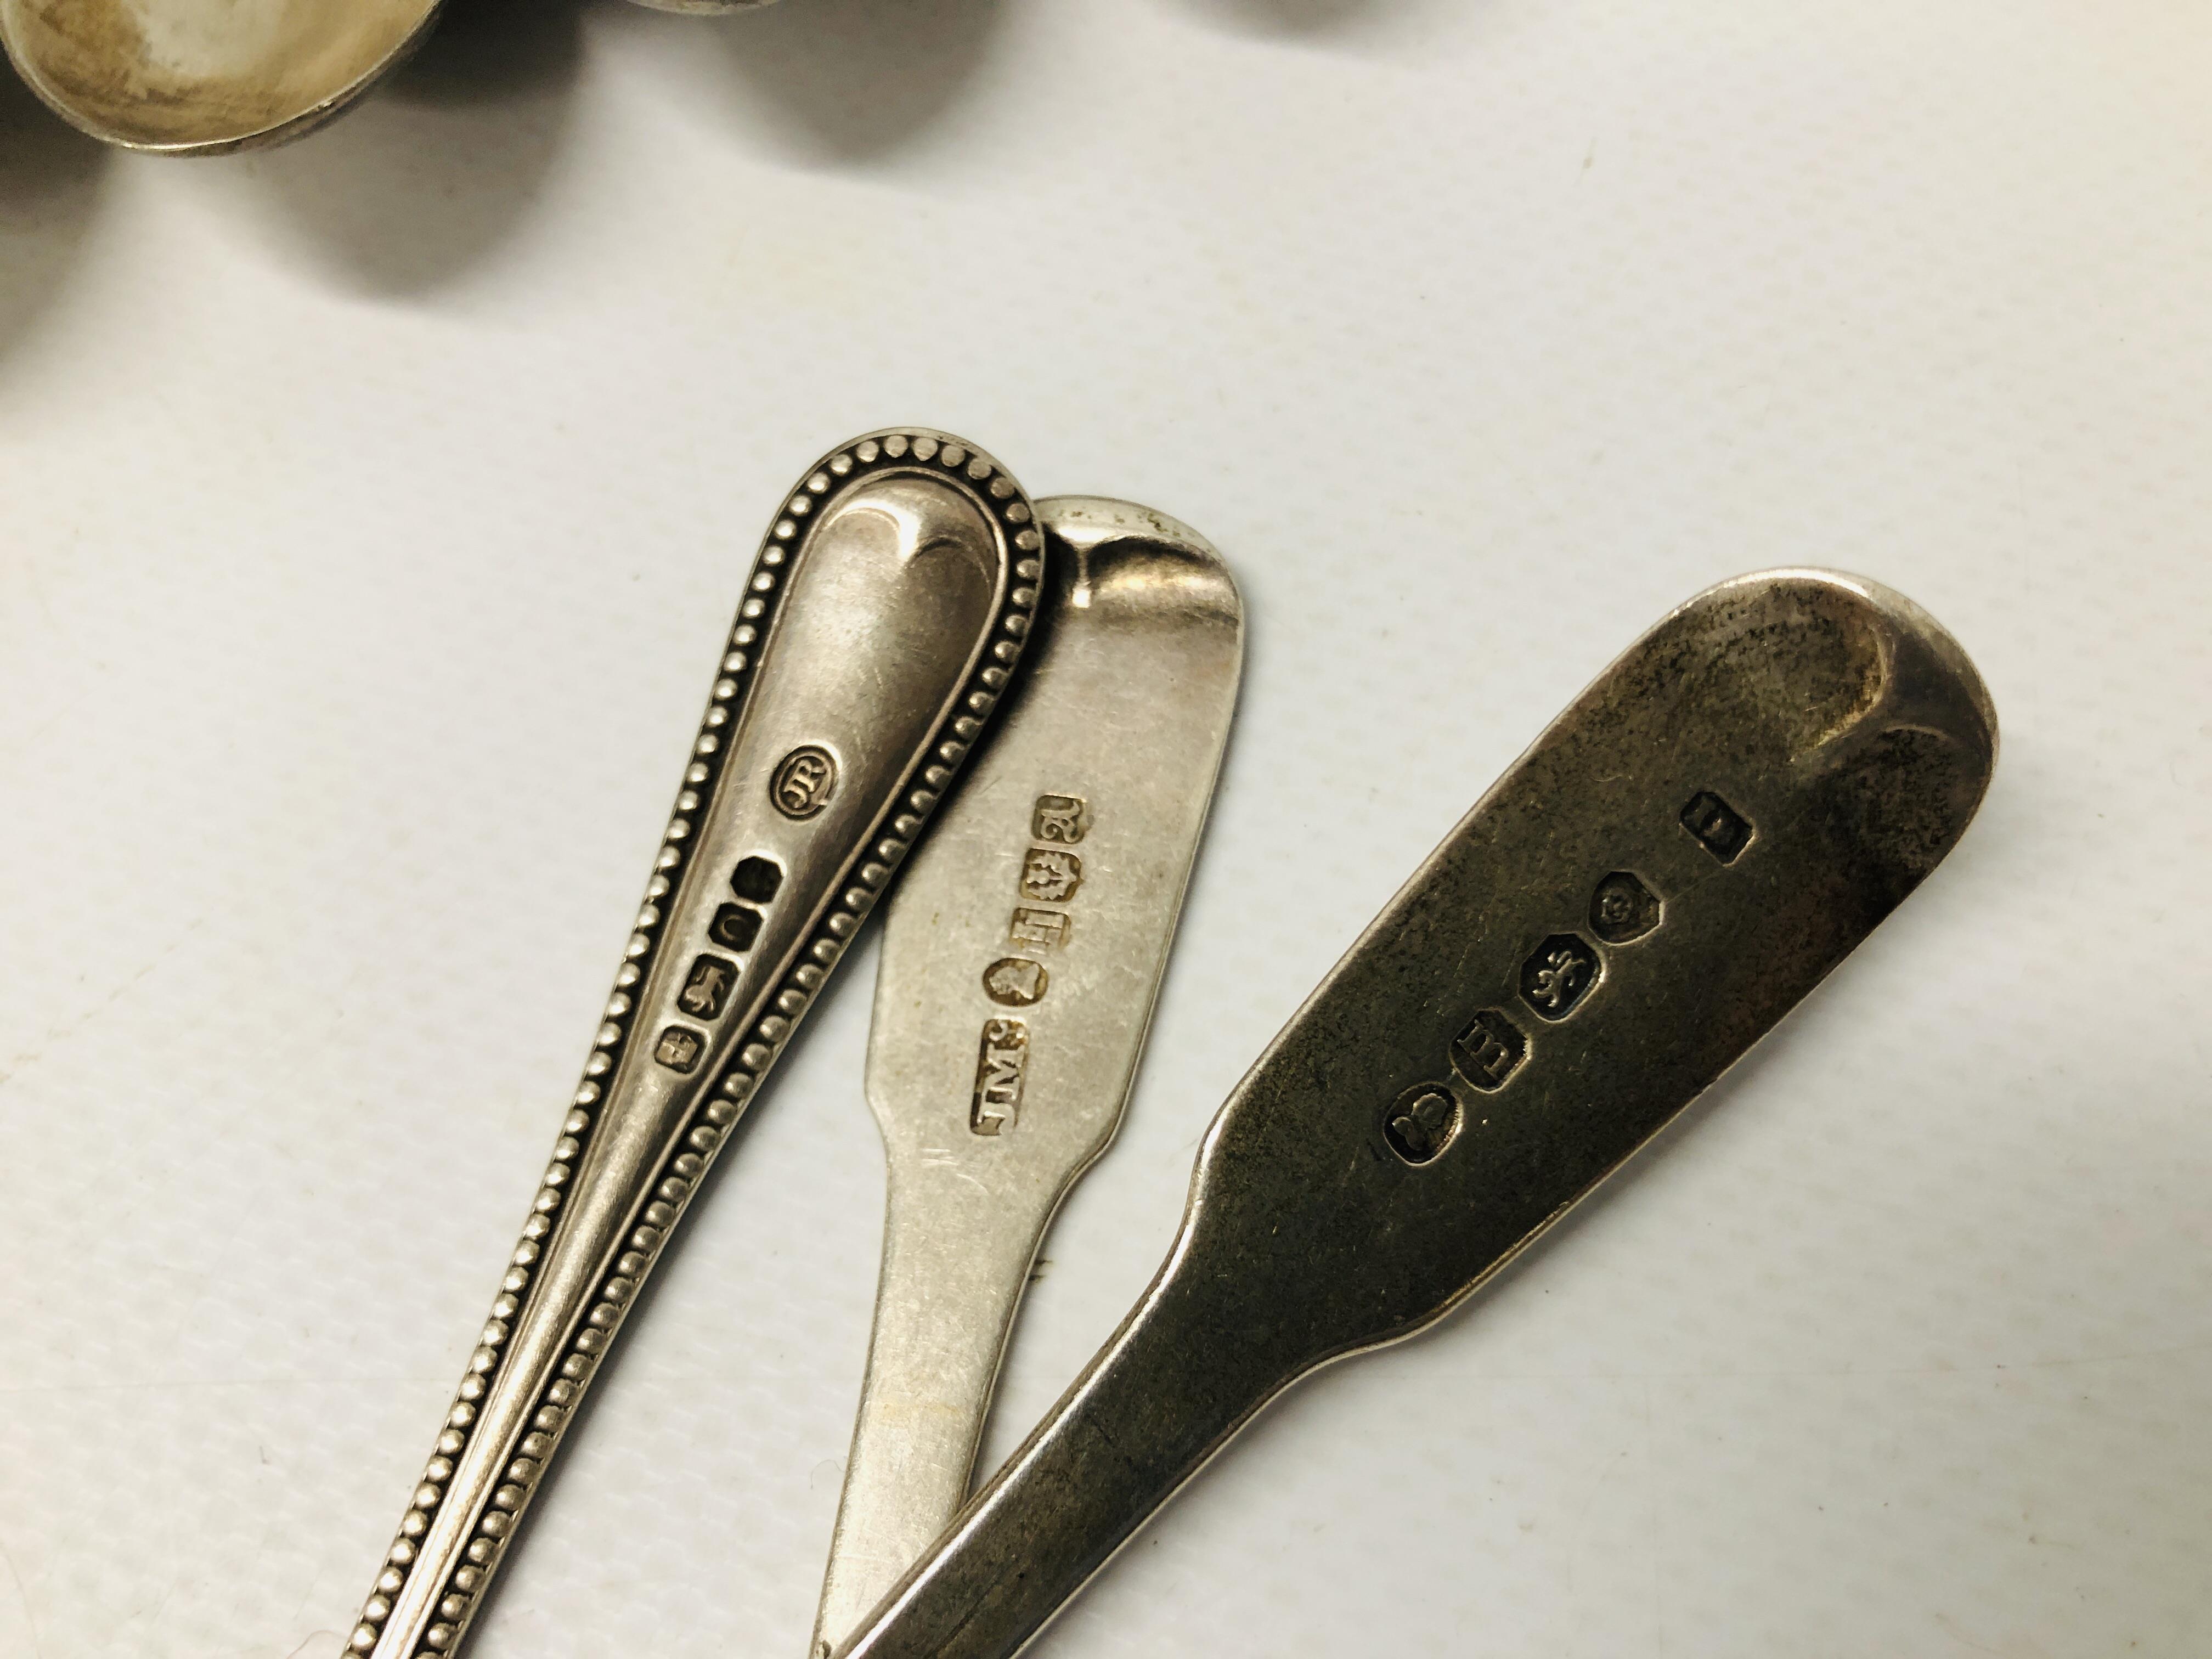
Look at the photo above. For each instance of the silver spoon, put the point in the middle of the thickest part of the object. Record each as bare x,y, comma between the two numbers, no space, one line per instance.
1021,957
882,623
1684,854
191,78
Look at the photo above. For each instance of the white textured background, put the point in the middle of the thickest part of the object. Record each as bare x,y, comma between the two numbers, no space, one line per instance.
369,512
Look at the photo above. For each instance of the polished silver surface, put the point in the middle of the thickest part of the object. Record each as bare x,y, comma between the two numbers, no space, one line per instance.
1683,855
202,77
881,625
1021,959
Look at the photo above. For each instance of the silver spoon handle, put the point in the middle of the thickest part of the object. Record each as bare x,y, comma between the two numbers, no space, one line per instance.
883,617
943,1316
1682,856
1171,1389
1020,963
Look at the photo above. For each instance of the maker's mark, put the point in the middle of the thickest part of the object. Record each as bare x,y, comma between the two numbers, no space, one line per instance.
1723,831
1000,1065
804,782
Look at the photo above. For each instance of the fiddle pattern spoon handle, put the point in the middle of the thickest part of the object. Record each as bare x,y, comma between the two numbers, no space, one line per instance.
1680,859
1019,965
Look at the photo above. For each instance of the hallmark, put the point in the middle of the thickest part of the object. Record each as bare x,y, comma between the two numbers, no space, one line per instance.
1421,1122
678,1050
1016,982
1723,831
1623,909
1051,875
756,878
1558,975
1489,1051
1062,819
707,988
1048,875
1001,1063
1041,930
735,927
1554,979
804,782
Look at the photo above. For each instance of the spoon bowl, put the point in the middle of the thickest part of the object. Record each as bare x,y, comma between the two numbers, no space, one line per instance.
203,76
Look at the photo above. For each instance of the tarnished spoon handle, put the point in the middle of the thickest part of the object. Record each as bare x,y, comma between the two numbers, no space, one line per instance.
1684,854
882,621
1170,1390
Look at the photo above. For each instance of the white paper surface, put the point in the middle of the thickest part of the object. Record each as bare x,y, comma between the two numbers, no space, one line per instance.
369,512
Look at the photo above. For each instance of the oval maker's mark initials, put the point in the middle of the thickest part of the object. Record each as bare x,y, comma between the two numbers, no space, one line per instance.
804,782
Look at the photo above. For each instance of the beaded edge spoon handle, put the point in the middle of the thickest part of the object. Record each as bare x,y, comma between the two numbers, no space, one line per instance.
1681,857
883,617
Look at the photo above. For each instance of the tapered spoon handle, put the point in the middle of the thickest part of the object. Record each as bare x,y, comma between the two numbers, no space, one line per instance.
1020,962
1682,856
880,628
